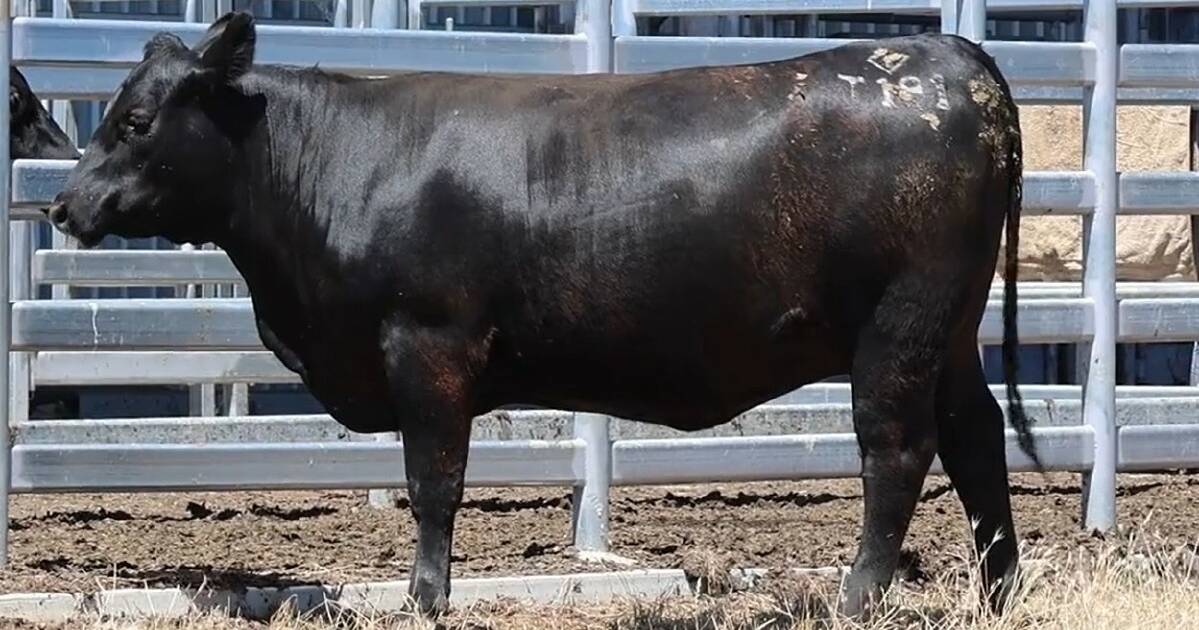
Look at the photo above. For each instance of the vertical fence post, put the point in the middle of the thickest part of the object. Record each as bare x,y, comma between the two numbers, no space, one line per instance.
414,15
385,14
62,113
20,288
359,15
21,255
973,20
593,18
596,19
622,22
192,10
1099,276
951,13
589,507
967,18
1193,150
341,13
5,304
239,393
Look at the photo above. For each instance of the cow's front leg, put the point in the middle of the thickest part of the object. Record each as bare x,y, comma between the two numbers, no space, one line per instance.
429,378
435,459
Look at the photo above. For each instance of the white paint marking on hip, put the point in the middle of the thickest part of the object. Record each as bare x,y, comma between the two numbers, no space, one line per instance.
852,81
938,82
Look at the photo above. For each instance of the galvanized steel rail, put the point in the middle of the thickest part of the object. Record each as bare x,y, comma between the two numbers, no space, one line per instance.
214,340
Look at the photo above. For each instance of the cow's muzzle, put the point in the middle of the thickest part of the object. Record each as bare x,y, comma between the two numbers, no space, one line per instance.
85,230
57,213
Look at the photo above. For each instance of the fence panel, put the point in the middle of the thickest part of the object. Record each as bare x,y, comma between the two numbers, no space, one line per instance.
210,341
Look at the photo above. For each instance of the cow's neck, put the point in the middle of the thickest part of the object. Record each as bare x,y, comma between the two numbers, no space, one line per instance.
278,230
277,224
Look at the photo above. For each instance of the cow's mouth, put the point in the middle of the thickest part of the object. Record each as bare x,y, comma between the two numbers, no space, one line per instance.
61,219
88,239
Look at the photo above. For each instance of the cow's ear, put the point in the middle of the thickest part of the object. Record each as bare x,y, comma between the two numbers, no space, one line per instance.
227,49
14,101
162,42
17,89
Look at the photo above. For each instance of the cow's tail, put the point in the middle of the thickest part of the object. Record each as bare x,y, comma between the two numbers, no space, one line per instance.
1011,343
1015,169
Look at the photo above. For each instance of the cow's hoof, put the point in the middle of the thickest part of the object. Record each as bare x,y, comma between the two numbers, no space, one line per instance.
858,601
999,595
429,600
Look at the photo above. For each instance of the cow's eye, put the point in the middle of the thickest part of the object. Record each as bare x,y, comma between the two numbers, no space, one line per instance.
137,123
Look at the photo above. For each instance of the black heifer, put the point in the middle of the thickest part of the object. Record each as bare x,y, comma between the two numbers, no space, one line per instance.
672,248
33,134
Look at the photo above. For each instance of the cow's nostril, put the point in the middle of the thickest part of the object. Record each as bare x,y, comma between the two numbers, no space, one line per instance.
57,213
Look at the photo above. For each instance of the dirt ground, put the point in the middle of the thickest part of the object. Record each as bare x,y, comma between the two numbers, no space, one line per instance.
90,542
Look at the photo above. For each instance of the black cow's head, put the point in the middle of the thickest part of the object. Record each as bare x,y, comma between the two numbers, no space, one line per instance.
33,134
163,162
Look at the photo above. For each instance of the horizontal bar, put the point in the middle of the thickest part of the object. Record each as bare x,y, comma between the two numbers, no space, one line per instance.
654,54
97,84
53,468
908,7
1058,193
1159,193
1160,405
1052,95
780,7
228,324
84,267
1157,447
1158,320
496,3
840,393
1041,321
1044,63
1065,63
1159,65
36,182
1124,290
118,43
74,82
768,458
158,368
537,425
346,465
208,324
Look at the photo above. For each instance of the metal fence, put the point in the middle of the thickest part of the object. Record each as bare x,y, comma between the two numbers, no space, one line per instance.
1095,427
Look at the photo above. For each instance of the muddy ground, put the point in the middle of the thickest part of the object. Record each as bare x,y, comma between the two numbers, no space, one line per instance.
89,542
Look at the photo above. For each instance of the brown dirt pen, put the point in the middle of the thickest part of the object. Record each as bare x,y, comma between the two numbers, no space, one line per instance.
1143,576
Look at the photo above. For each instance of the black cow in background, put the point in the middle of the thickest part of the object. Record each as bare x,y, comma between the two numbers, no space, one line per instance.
33,134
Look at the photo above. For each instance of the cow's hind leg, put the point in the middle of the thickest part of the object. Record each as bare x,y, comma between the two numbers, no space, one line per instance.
971,446
895,369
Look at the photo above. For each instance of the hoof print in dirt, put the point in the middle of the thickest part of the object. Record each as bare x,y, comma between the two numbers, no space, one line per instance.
708,572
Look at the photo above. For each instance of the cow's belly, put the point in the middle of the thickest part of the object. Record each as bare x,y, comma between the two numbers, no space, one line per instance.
678,380
351,388
352,407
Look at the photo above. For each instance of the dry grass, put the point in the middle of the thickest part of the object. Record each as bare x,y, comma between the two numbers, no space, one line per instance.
1133,584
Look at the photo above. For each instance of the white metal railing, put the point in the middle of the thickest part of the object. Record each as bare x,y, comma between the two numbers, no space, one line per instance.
138,341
